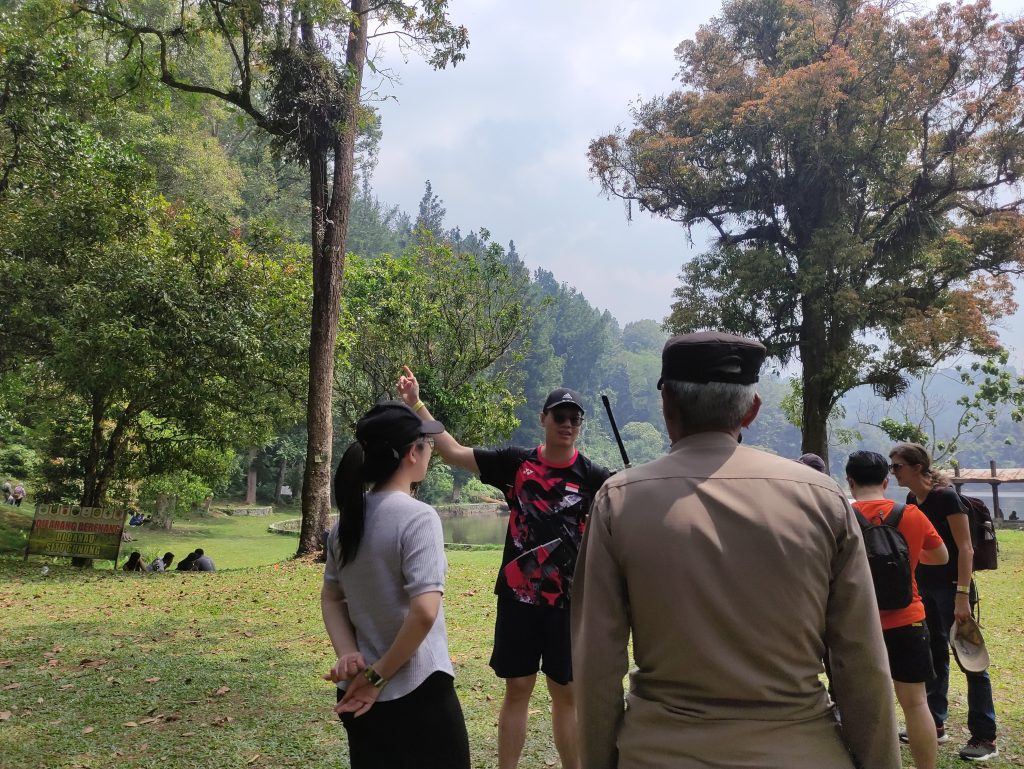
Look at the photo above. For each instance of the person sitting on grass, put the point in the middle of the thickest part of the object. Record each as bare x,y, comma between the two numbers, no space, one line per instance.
161,564
203,562
134,562
188,563
904,630
136,519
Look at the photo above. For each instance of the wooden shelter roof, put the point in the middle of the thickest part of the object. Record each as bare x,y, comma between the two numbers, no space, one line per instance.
1003,475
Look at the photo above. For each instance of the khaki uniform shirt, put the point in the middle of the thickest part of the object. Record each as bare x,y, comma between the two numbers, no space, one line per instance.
734,570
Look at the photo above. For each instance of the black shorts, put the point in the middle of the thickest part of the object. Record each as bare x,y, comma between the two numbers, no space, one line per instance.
910,655
528,638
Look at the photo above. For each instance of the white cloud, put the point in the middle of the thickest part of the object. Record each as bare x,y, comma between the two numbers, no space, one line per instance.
503,138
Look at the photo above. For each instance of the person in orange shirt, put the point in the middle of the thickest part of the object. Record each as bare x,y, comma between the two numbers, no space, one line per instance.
904,630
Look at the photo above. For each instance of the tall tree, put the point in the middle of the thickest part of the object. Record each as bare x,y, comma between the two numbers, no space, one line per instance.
860,167
457,318
296,71
431,212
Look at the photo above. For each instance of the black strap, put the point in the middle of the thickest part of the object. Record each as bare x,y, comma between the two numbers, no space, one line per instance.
896,515
893,519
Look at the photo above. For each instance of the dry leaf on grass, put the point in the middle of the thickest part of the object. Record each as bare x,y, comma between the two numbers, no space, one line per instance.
254,759
152,679
15,685
65,687
6,663
129,724
222,691
4,715
88,730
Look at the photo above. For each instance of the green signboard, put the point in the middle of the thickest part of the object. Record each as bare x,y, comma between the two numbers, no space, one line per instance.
77,532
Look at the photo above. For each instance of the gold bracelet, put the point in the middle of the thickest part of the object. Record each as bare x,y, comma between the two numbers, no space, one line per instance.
963,589
419,405
376,680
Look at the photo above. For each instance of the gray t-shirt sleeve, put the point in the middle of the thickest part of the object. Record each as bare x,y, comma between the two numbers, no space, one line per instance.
424,564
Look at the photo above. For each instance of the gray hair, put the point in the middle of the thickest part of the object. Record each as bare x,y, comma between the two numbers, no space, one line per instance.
711,406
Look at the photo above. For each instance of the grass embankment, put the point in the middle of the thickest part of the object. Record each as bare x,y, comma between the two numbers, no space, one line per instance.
234,542
101,669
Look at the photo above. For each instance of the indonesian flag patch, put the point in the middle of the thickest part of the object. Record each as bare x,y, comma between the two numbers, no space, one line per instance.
572,488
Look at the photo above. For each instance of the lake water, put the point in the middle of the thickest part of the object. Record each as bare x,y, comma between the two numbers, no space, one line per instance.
1008,500
490,529
475,529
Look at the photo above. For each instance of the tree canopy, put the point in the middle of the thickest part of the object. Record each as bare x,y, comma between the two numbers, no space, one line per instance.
860,167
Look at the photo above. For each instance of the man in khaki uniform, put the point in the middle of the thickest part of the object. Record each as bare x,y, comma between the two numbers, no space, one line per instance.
736,572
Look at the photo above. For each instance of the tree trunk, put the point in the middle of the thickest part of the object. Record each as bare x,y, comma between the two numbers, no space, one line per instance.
329,230
818,390
281,470
163,516
100,463
250,487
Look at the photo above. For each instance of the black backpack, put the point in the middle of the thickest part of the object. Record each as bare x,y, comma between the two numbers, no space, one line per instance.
983,533
889,559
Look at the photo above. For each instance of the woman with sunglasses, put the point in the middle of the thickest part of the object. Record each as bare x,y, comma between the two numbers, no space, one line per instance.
946,592
381,602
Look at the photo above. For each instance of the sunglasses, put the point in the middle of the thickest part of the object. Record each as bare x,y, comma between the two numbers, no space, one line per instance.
897,466
428,439
561,417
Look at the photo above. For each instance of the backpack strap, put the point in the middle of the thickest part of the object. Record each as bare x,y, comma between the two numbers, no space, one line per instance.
893,519
864,522
896,515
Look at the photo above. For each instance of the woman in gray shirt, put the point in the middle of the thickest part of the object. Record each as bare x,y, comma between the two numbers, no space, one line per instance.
381,602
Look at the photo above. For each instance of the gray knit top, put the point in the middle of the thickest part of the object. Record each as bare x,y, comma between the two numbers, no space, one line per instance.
401,556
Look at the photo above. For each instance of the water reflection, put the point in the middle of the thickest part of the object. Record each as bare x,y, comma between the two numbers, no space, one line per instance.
475,529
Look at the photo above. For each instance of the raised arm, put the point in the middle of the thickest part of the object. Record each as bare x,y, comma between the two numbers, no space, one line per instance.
450,450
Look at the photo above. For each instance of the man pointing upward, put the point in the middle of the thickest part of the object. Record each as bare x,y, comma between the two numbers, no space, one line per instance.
549,489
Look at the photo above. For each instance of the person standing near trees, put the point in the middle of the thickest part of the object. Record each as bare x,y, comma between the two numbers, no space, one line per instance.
735,571
549,490
381,602
947,592
904,629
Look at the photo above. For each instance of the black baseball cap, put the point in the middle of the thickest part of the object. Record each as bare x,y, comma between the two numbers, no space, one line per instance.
711,356
563,396
394,424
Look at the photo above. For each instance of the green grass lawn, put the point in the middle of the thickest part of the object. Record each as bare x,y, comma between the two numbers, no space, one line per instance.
104,669
233,542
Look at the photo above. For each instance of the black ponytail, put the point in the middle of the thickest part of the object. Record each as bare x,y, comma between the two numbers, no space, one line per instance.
360,466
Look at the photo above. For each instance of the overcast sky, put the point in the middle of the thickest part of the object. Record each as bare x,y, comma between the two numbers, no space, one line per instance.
503,139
